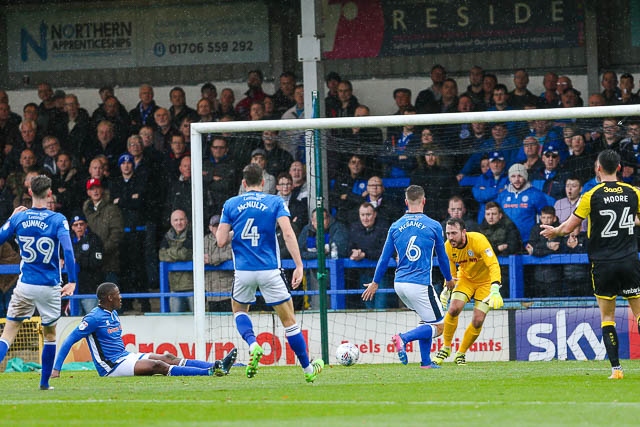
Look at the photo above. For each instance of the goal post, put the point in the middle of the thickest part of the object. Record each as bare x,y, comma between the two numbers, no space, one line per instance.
198,129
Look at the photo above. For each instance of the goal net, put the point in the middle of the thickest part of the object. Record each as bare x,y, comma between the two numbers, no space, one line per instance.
462,160
28,343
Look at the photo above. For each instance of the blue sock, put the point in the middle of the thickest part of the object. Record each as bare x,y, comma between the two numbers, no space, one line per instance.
245,328
425,351
197,363
187,371
48,356
4,347
422,332
298,344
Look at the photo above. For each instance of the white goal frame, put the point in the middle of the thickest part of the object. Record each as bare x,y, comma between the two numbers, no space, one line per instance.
197,129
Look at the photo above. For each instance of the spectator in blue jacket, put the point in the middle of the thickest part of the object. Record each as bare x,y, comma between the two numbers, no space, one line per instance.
522,202
491,183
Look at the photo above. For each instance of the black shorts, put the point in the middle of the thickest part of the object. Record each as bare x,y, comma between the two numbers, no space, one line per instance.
621,277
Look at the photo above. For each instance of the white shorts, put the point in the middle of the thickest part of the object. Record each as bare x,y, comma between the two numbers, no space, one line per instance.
422,299
272,285
127,366
26,298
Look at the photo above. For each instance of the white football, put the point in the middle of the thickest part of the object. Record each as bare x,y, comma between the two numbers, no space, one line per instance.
347,354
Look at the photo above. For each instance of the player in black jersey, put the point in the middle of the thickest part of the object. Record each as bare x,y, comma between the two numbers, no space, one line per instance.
612,208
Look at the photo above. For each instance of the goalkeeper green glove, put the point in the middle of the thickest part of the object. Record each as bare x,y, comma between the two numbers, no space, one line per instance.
494,300
444,297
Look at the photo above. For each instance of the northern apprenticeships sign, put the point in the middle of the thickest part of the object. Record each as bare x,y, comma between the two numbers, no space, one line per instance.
363,28
128,37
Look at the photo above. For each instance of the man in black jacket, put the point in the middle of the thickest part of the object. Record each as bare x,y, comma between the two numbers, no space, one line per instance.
87,248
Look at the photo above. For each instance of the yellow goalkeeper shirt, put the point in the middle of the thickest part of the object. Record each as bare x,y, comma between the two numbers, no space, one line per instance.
475,262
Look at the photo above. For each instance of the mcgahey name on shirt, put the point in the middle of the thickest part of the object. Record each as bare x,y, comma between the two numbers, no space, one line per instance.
408,224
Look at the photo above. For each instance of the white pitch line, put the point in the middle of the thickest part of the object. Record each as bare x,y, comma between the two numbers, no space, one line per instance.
322,402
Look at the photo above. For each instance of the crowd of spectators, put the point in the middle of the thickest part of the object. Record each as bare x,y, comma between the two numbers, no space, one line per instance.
123,177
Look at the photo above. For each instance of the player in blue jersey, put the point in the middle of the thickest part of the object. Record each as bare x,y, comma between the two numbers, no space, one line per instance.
103,332
40,233
249,221
415,237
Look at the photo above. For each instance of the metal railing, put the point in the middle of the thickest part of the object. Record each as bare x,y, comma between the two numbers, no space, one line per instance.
338,292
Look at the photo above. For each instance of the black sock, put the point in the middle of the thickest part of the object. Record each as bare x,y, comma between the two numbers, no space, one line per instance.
610,338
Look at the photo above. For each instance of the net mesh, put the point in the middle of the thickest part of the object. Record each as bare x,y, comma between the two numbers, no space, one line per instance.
28,343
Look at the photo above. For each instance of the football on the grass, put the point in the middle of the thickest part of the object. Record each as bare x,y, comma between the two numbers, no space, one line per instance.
347,354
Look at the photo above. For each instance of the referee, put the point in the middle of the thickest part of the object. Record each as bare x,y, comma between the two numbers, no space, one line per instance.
612,208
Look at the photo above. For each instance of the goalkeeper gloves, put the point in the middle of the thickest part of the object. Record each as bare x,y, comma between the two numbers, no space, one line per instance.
494,300
444,297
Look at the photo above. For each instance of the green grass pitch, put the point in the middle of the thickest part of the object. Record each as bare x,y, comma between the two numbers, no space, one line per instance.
485,393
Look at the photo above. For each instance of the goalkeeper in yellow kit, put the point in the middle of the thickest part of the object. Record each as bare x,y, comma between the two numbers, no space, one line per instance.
477,277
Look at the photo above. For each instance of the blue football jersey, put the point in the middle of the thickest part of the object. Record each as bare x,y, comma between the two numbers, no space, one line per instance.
40,233
103,333
415,237
253,218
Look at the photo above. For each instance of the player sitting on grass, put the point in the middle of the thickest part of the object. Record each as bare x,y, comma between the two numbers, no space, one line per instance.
478,277
103,332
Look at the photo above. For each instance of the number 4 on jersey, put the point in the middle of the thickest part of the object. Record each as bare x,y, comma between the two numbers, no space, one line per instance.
250,232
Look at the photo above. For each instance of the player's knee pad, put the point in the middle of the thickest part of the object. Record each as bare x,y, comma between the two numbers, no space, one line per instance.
482,306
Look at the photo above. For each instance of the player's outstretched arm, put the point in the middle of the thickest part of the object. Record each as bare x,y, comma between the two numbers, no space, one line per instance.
64,349
563,229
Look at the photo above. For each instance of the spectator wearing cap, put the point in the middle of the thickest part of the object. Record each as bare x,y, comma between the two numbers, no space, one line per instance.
491,183
550,179
87,249
522,202
259,157
278,159
105,220
128,192
218,281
